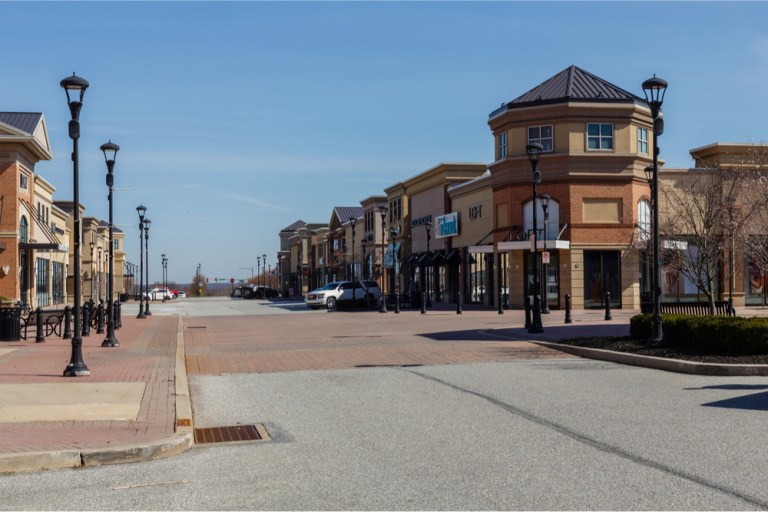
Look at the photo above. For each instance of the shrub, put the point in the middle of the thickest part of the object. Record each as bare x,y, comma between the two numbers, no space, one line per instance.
721,335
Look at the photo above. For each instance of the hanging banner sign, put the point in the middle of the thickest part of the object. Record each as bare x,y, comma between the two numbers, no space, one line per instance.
447,225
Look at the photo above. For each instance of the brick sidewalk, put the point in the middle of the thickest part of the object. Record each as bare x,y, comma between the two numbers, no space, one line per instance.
146,354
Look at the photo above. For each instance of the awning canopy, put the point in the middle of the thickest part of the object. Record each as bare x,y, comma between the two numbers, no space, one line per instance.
453,257
423,259
437,259
525,245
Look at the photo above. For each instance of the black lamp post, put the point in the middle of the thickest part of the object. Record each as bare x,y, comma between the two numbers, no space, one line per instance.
383,213
427,268
393,232
76,85
147,222
544,200
258,269
141,210
264,270
92,267
654,89
363,268
98,276
352,222
534,152
110,150
164,262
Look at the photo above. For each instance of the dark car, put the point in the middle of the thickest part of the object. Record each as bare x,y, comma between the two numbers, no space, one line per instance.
259,292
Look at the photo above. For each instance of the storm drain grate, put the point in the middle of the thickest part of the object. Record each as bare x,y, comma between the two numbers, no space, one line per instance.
229,434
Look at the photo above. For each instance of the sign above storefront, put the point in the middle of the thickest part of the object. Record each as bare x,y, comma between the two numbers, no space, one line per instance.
447,225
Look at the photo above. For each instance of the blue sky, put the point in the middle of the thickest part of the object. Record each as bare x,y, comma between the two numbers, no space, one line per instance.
236,119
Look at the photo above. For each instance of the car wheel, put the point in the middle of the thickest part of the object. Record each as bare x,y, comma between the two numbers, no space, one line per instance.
331,303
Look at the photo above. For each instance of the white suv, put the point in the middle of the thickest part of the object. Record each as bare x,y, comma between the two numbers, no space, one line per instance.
344,293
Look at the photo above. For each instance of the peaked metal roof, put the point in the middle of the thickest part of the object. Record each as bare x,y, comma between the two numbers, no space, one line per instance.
571,84
22,121
344,213
294,227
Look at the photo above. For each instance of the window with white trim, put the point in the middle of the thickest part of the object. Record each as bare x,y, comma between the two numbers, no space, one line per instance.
642,140
599,136
643,220
24,183
502,145
541,135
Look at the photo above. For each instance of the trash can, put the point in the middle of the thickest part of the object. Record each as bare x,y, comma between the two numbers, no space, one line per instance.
10,324
124,297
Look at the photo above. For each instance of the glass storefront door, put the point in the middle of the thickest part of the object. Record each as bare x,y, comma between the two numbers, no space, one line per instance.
549,282
602,274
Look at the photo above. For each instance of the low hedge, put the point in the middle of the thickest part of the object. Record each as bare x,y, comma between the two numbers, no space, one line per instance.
721,335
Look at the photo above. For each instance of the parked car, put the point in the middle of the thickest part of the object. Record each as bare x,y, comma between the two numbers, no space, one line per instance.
252,291
237,292
344,293
159,294
181,295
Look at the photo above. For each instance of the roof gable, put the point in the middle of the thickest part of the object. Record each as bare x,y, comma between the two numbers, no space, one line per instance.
28,128
571,84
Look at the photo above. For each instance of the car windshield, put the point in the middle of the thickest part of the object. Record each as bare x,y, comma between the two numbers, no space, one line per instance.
329,286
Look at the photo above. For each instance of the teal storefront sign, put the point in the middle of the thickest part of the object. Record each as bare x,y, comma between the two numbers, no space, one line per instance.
448,225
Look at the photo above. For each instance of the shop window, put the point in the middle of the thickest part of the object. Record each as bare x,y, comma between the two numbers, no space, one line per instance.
602,274
552,225
23,230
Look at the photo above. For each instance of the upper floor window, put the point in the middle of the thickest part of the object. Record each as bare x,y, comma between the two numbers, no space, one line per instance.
599,136
23,230
642,140
502,145
643,220
542,135
24,183
547,228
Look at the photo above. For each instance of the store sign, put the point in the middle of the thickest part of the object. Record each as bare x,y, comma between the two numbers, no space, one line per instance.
448,225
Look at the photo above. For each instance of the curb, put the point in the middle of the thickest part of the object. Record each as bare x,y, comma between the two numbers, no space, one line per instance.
660,363
178,443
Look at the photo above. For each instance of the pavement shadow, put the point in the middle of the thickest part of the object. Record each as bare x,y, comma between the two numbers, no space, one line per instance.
755,402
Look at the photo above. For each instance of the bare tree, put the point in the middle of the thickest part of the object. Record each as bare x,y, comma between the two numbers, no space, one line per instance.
709,211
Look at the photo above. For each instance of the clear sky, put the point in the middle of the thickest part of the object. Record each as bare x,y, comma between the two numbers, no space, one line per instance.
236,119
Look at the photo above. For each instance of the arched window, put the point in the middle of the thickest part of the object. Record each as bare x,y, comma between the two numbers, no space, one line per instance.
23,230
553,226
643,220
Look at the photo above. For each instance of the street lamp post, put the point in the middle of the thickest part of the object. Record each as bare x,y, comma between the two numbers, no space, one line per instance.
264,270
383,213
110,150
76,85
141,209
98,275
164,262
147,222
353,221
393,232
534,152
92,267
258,269
544,200
654,89
428,270
363,268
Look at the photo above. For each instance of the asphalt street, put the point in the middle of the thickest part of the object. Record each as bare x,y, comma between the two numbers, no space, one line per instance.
536,434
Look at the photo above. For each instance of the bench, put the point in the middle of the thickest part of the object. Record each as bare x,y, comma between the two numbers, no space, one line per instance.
52,321
686,308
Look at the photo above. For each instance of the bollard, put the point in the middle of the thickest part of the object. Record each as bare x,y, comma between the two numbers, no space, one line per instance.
458,304
85,318
731,310
117,310
397,303
527,306
608,306
67,323
423,303
568,318
501,307
100,319
39,338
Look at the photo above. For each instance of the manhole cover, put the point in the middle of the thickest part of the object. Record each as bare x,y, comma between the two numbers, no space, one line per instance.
232,434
